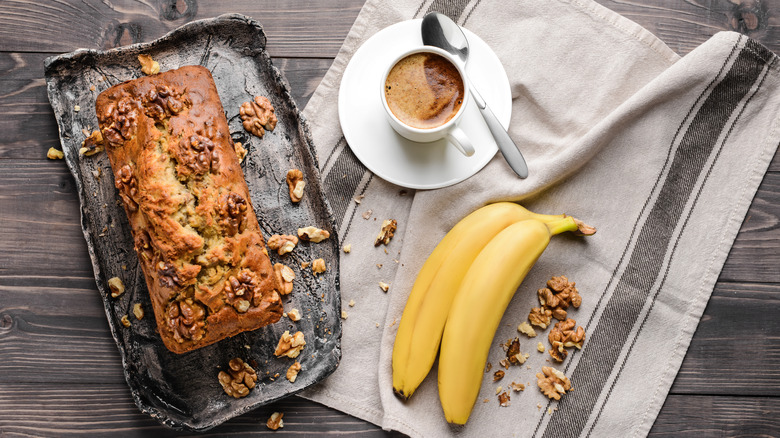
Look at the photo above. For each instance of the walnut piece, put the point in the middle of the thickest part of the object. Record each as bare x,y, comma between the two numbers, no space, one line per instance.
125,321
240,151
563,335
239,379
386,233
292,372
347,248
513,354
344,314
540,317
148,65
540,347
243,290
294,315
526,329
258,115
55,154
282,243
295,184
553,383
559,294
384,286
290,345
517,386
503,399
318,266
92,144
138,311
498,375
116,286
185,319
285,276
275,421
312,234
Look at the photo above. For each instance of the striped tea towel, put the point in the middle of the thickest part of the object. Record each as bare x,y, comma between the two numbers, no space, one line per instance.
662,154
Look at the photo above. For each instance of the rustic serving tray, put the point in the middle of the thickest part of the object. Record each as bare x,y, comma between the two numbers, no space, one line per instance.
182,391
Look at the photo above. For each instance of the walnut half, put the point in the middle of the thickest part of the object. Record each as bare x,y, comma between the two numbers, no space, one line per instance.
564,335
239,379
553,383
312,234
282,243
258,115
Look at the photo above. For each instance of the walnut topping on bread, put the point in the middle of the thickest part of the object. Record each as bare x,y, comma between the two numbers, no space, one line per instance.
194,229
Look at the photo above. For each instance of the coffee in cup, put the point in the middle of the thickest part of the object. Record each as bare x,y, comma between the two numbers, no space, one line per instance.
425,94
424,90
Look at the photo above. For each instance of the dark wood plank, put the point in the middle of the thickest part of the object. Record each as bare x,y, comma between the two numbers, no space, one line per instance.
294,27
27,124
67,410
696,417
736,345
683,25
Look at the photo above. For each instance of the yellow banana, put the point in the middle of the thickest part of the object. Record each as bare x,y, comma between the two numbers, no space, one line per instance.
476,311
422,322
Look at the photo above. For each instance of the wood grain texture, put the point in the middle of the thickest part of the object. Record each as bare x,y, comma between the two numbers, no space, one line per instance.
698,416
295,28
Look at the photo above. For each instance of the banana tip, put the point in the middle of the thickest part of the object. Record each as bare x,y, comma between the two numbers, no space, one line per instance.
584,229
400,394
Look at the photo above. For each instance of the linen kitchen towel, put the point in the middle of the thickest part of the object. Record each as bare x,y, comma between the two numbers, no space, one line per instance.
661,154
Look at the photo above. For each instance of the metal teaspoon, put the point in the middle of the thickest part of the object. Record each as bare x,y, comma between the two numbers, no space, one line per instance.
439,31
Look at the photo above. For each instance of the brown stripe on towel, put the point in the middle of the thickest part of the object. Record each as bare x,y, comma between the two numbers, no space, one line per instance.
655,243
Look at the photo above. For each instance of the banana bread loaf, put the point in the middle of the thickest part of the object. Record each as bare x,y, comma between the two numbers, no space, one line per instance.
193,225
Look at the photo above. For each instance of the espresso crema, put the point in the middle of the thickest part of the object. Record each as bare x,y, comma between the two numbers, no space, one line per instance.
424,90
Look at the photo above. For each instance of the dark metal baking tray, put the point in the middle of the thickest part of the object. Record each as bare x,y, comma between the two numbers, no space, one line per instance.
182,391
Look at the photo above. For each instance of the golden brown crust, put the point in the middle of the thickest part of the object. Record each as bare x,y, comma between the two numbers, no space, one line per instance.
194,228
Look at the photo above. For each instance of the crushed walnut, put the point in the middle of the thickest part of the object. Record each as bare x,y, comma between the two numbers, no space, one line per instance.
294,315
488,367
498,375
125,321
513,354
540,317
559,294
347,248
517,387
275,421
285,276
290,345
116,286
54,154
240,151
92,144
258,115
292,372
282,243
344,314
239,379
503,399
295,184
138,311
563,335
540,347
553,383
318,266
384,286
351,303
312,234
148,65
526,329
386,232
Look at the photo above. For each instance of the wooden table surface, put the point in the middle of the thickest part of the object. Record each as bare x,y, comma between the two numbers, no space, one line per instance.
60,371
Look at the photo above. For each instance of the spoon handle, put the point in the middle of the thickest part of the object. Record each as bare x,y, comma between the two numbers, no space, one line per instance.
505,143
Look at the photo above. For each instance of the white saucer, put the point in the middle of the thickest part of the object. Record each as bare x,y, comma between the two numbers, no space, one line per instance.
394,158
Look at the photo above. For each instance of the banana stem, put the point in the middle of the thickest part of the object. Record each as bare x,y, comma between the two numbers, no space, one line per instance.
562,225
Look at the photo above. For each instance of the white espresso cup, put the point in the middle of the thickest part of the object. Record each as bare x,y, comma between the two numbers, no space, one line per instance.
425,107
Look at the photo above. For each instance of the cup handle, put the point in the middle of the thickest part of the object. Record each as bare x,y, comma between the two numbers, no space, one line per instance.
459,139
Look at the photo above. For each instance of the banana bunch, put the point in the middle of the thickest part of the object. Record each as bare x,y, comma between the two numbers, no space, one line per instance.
461,294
